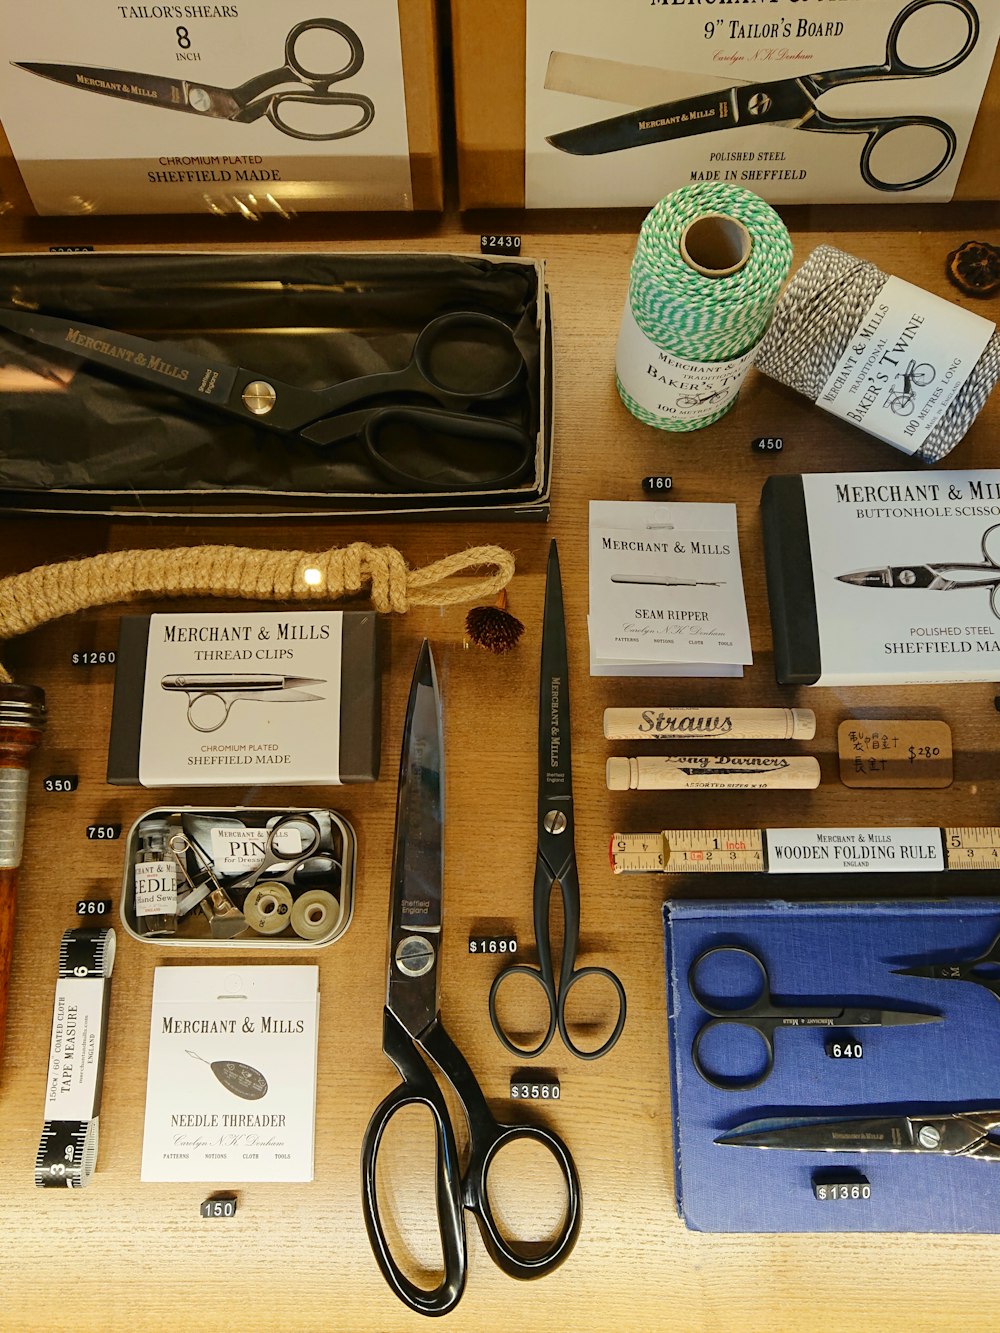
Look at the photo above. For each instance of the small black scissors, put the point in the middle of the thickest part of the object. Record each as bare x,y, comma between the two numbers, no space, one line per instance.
937,576
983,970
763,1015
411,1027
791,103
281,862
957,1134
459,358
249,102
555,862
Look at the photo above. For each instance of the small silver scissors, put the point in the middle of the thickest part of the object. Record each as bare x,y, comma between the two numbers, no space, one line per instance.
248,102
936,577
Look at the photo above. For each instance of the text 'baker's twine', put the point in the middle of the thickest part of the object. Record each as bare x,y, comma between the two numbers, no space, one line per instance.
690,314
50,591
816,320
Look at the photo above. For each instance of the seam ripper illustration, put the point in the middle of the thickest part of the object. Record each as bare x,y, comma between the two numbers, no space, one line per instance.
936,576
792,104
246,103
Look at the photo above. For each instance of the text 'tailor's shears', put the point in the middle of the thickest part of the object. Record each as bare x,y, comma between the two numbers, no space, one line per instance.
248,102
414,1039
791,103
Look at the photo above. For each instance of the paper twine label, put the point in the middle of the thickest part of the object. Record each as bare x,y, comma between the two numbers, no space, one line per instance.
906,363
670,386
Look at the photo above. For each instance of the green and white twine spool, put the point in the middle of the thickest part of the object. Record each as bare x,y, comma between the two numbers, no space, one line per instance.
708,267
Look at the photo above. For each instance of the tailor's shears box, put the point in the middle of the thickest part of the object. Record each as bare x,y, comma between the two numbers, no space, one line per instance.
830,955
234,385
267,698
252,108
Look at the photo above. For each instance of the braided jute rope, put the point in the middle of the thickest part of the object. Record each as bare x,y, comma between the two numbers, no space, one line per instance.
693,315
816,319
50,591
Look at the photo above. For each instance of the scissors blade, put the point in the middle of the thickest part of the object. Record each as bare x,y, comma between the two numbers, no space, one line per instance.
149,89
894,576
418,856
555,768
814,1134
784,102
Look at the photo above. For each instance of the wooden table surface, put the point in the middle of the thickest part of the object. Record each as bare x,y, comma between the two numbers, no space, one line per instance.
123,1255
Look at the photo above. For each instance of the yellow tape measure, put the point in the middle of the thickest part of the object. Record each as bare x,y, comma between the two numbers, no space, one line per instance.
718,851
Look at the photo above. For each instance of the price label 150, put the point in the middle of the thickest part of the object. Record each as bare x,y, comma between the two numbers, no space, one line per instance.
218,1207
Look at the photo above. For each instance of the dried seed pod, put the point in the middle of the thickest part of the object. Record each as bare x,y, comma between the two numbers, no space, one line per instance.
494,627
974,268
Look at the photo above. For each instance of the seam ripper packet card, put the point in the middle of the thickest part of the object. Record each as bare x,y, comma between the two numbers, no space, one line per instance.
231,1085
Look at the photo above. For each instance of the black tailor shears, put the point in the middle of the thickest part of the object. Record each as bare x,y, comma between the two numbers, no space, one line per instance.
412,1029
458,359
791,103
762,1015
247,103
938,575
555,862
983,970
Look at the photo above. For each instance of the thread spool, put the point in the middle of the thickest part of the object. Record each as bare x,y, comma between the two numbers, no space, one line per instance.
22,718
268,906
815,334
708,266
316,914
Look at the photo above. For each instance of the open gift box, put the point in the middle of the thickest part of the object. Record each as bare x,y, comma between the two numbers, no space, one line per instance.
81,433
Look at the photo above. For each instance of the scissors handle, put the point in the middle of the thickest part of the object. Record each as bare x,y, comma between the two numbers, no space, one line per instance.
895,67
195,698
569,975
383,431
417,1089
364,104
763,1029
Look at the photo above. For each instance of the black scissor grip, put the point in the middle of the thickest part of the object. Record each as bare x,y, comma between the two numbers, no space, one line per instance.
733,1084
417,1089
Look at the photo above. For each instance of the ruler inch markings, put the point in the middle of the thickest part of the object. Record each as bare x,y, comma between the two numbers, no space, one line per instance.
718,851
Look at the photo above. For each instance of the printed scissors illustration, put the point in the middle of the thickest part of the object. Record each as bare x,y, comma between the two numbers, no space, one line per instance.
955,1134
223,691
414,1039
762,1015
249,102
458,359
983,970
555,861
941,576
791,103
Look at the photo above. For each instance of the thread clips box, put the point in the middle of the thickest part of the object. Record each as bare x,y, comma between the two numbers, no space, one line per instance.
257,698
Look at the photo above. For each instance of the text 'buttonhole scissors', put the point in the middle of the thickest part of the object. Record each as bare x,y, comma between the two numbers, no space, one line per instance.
210,696
555,862
762,1015
414,1039
459,358
244,104
939,576
792,103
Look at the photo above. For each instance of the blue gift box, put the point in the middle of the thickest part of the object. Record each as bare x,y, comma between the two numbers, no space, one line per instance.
837,953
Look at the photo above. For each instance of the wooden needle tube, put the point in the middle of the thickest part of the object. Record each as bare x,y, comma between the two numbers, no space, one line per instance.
692,724
22,717
702,772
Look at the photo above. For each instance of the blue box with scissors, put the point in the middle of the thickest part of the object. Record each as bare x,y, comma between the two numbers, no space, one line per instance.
235,385
855,1041
253,877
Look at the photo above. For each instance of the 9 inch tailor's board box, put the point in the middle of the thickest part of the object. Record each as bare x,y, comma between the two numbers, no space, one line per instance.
883,578
246,698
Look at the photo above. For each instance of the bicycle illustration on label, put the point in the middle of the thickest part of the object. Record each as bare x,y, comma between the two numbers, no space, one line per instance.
900,399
